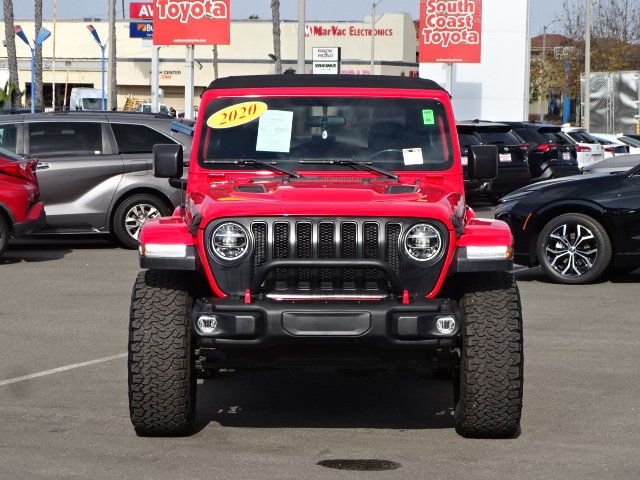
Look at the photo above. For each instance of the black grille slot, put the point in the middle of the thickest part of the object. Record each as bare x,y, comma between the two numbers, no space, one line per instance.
281,251
259,231
393,240
349,234
371,249
304,249
326,250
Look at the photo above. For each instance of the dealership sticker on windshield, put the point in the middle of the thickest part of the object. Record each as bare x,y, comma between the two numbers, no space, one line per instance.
237,115
427,117
413,156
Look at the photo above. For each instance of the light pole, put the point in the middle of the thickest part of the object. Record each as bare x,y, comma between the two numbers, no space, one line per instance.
586,120
373,34
302,24
103,47
544,62
42,35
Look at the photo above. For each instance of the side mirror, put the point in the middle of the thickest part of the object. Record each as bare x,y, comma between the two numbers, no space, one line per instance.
167,161
483,162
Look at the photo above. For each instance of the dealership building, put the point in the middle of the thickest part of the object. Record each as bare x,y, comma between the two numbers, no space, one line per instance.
71,58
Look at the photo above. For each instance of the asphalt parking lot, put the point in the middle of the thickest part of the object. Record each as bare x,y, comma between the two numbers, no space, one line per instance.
64,413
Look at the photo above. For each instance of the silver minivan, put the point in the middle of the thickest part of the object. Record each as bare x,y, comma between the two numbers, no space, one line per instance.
96,168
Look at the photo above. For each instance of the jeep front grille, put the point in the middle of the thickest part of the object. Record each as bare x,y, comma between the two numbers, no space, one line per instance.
326,238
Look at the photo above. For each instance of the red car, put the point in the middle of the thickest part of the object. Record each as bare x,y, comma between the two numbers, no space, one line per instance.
21,211
325,226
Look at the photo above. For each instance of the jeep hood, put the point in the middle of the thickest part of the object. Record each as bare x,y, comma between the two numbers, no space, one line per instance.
420,197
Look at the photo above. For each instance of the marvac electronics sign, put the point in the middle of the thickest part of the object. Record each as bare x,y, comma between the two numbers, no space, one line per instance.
450,31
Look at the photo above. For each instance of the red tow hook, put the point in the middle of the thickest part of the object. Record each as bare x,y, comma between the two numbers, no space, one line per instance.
247,297
405,297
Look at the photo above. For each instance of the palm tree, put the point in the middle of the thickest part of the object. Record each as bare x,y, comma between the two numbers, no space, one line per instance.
275,16
10,38
38,75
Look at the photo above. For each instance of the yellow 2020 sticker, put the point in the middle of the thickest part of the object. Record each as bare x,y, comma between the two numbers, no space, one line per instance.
237,115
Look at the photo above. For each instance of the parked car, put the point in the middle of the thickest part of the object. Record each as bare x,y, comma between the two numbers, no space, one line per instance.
612,147
21,211
551,153
326,220
633,145
621,163
513,168
588,149
95,168
575,228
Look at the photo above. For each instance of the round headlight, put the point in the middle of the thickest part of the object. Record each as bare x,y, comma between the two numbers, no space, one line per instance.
423,242
230,241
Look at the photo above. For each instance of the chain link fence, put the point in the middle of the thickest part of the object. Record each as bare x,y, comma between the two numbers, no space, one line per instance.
615,102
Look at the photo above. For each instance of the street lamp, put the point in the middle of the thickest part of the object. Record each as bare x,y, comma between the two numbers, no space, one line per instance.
373,34
103,47
43,34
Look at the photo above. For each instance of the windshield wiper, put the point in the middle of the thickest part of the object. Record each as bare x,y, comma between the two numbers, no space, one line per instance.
256,163
353,163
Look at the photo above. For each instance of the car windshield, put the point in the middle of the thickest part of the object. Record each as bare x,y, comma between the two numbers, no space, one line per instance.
494,137
92,104
9,155
632,142
311,133
582,137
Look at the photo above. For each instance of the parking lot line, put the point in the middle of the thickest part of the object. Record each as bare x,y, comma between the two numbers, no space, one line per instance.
61,369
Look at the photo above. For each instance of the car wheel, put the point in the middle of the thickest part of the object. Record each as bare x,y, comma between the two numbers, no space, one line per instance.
162,376
4,234
488,385
131,215
574,248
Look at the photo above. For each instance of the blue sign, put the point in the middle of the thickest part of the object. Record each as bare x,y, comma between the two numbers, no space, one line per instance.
141,30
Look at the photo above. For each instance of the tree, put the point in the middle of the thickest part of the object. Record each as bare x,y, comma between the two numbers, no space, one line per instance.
38,75
12,60
277,48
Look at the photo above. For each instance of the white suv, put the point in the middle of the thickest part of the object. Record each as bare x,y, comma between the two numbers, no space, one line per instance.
589,150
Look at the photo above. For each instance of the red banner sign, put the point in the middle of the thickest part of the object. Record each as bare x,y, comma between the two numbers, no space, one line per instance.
192,22
450,31
141,10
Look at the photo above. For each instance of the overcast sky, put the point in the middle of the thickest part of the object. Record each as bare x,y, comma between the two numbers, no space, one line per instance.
542,11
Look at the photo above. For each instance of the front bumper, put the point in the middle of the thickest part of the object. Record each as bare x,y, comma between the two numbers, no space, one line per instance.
266,323
36,220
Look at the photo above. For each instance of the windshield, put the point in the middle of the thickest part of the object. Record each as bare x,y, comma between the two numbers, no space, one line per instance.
302,133
632,142
494,137
92,103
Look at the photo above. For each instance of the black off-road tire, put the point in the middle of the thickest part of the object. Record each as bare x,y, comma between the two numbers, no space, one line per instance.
120,216
4,234
162,376
603,244
488,397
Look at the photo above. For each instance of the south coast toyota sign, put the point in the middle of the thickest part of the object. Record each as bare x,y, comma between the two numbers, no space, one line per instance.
450,31
191,22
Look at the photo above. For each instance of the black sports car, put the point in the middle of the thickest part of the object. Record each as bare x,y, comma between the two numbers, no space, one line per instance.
576,227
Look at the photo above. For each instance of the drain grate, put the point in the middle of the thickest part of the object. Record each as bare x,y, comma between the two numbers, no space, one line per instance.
361,465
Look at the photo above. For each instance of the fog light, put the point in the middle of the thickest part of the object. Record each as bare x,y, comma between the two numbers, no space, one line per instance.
446,325
207,324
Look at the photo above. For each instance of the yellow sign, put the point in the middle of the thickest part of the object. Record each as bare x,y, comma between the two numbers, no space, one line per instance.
237,115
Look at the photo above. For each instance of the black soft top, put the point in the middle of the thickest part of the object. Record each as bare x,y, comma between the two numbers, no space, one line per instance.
327,81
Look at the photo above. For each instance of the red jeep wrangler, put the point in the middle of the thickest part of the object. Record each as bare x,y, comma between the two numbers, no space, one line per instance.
325,225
